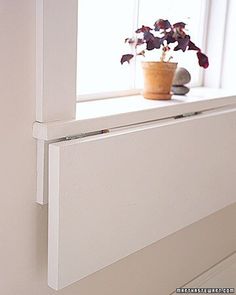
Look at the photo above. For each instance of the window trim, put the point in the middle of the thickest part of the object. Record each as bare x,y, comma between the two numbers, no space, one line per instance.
93,116
107,95
218,9
56,58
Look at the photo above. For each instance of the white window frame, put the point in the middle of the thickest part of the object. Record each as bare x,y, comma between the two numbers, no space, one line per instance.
57,54
218,10
133,65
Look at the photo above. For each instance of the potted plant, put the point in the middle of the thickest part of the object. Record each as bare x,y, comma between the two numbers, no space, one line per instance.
158,75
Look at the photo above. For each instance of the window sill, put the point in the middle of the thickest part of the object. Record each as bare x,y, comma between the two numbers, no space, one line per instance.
93,116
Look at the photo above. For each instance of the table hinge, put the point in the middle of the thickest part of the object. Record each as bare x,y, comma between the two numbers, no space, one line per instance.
191,114
83,135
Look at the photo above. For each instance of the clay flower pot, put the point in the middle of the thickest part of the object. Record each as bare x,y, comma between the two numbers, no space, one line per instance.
158,77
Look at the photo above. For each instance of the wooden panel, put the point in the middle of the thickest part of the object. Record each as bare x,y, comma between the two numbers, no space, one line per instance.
113,194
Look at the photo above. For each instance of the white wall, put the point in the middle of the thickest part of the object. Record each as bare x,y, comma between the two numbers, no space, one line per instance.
23,224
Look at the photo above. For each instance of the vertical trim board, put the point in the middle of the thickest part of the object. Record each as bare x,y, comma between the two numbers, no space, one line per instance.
56,59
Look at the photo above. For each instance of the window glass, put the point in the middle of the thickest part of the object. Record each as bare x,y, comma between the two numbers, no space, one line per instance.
102,27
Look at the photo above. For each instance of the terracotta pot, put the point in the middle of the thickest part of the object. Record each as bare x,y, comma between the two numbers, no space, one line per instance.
158,77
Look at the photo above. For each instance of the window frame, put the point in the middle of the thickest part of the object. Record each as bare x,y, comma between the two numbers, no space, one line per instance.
218,9
135,91
56,48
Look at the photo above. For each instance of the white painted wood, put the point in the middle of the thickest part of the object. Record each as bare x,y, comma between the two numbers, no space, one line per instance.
53,207
42,172
56,49
107,95
216,42
113,194
113,113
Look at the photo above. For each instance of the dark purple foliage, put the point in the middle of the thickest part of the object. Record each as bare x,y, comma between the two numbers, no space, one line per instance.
143,29
202,60
135,42
139,41
141,53
169,38
160,37
182,43
154,43
147,36
162,24
129,40
192,46
179,25
126,57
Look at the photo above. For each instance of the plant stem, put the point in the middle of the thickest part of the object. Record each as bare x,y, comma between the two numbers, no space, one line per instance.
163,54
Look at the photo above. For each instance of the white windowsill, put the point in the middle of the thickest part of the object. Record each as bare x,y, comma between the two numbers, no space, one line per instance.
116,112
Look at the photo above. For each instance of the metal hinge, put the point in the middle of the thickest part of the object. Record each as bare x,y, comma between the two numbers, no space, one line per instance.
83,135
191,114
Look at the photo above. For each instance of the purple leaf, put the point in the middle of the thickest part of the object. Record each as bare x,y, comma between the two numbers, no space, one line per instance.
154,43
126,57
148,36
169,38
135,42
202,60
192,46
182,43
130,40
177,33
139,41
179,25
141,53
143,29
162,24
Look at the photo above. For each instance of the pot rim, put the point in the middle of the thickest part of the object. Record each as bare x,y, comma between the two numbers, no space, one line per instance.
160,62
